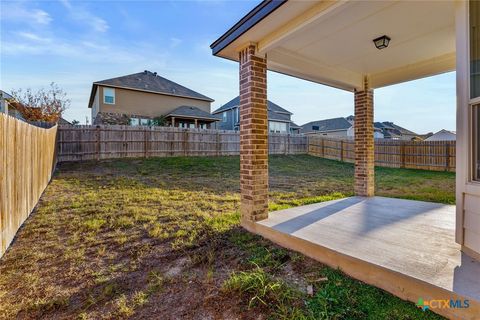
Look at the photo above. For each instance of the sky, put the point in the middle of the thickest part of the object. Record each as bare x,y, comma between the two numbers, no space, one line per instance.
75,43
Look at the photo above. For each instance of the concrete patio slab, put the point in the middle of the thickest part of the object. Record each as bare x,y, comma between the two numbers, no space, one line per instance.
405,247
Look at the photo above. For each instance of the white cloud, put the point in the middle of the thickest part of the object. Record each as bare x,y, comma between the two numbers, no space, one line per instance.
82,15
174,42
33,37
15,11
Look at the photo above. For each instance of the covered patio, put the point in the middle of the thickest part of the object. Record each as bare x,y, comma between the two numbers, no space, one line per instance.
413,249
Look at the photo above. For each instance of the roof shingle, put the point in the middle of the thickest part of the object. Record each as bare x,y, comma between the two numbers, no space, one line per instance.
191,112
152,82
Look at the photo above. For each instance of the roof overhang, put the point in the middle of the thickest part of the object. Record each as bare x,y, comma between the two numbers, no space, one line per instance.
172,115
331,42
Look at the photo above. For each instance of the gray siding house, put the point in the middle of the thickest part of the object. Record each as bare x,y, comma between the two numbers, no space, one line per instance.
337,127
279,119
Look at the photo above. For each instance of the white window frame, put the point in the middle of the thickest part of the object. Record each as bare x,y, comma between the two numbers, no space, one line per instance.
112,91
473,125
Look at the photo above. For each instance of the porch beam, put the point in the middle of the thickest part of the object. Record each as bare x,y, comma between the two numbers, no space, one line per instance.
253,136
364,142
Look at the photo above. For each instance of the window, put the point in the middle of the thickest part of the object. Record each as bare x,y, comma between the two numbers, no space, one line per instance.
474,49
134,121
315,128
476,142
191,125
144,122
277,127
236,114
224,117
474,25
109,95
203,125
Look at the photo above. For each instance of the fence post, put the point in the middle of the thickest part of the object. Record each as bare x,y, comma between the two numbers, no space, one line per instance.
447,156
145,143
287,143
323,147
185,142
217,145
341,150
97,149
402,154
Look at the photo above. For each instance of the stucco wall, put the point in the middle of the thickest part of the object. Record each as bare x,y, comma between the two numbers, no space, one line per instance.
146,103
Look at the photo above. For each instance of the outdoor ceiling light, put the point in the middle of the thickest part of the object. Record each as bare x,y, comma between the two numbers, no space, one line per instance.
381,42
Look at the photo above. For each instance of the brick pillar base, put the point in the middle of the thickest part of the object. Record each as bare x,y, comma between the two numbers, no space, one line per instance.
253,136
364,142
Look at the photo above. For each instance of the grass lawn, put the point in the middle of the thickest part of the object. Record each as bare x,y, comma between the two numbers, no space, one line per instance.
160,238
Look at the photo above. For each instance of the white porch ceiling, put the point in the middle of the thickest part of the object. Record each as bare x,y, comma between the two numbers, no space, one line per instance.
330,42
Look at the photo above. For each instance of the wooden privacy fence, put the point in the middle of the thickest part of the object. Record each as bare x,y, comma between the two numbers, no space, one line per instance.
426,155
27,160
106,142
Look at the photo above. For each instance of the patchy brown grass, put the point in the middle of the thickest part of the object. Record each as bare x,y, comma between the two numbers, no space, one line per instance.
159,238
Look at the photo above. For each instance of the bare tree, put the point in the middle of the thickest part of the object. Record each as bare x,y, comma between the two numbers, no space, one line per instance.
41,105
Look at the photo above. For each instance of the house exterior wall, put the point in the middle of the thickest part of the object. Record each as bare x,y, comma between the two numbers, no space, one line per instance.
467,190
351,133
229,124
95,105
140,103
232,120
334,133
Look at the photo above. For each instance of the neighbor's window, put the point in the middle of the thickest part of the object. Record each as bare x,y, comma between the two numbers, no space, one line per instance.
134,121
203,125
277,127
144,122
474,49
109,95
237,116
224,116
315,128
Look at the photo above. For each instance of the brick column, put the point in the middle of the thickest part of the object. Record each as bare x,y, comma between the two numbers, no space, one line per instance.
364,142
253,136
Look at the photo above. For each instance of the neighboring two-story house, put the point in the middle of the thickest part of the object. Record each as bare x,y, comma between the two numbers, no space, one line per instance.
279,119
140,98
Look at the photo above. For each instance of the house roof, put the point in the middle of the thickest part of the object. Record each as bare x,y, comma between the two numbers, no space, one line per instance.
293,125
328,125
62,121
402,130
149,82
235,102
191,112
5,95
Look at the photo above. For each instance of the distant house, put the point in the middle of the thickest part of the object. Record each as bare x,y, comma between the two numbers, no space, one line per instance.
395,132
345,127
443,135
336,127
4,101
140,98
279,119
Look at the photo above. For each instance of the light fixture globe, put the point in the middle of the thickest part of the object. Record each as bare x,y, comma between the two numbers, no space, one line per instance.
381,42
